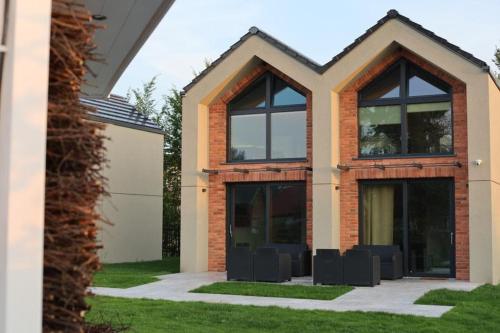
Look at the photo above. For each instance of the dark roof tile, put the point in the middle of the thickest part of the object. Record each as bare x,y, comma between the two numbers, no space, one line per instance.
391,14
118,111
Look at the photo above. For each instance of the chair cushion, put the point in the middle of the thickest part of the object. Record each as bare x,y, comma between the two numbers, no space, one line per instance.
267,251
385,252
292,249
328,252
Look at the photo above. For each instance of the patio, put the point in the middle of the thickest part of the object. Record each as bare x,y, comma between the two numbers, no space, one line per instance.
395,297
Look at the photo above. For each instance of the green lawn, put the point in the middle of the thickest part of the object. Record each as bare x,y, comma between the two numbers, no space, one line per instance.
274,290
477,311
135,273
485,295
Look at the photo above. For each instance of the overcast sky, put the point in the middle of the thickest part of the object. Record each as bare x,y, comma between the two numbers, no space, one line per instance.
194,30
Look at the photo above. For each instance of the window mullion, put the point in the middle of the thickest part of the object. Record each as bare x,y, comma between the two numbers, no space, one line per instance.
403,93
268,212
404,129
268,91
268,117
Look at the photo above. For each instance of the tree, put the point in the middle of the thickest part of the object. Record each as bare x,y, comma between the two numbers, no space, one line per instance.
169,119
206,62
496,60
143,97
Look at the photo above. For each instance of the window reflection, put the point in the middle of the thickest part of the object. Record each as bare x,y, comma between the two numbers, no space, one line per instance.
380,130
288,134
248,137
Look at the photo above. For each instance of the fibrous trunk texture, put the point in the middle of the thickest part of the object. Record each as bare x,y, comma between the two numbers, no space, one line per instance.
75,155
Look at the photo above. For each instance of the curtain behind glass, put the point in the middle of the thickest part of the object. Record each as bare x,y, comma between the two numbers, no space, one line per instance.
378,203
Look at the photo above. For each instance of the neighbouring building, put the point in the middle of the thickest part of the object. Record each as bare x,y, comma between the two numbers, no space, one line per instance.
24,76
132,230
393,141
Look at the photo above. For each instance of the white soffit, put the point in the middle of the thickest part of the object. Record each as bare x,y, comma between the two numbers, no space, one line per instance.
128,24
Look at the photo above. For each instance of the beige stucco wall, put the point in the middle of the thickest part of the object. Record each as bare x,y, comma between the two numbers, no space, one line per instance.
478,121
325,109
134,207
494,100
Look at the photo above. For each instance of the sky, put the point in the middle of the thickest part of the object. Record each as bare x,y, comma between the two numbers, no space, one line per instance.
195,30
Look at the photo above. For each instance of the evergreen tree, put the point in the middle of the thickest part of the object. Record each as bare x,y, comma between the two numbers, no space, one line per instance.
169,119
496,60
143,98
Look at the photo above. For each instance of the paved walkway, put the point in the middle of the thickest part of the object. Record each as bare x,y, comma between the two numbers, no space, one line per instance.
390,296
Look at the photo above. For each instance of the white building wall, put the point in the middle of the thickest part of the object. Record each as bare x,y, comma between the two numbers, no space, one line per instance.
23,116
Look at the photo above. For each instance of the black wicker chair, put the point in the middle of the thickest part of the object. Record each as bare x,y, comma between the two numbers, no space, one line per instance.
391,260
300,256
240,264
361,268
328,268
272,266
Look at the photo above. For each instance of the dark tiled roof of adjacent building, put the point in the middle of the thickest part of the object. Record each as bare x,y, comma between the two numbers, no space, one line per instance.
118,111
391,14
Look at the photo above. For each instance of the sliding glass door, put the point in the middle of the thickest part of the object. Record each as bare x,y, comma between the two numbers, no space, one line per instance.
418,216
261,213
430,228
249,211
382,214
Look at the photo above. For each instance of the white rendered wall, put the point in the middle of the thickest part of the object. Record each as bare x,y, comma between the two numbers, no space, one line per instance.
135,202
23,114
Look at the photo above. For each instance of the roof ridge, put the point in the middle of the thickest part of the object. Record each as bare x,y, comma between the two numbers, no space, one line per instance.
256,31
391,14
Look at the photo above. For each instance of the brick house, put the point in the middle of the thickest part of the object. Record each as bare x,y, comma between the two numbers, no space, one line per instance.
390,142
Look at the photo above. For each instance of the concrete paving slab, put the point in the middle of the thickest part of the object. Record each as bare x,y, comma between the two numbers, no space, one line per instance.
396,296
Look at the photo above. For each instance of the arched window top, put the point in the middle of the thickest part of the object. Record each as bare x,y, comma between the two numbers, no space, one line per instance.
268,91
404,80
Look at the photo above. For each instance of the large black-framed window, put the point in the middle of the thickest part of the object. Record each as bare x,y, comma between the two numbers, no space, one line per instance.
418,215
267,122
405,111
266,213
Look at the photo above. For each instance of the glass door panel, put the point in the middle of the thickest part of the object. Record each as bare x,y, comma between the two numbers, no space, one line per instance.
262,213
382,214
430,224
288,214
249,210
418,216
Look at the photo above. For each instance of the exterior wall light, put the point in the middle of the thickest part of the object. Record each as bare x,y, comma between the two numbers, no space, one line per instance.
99,17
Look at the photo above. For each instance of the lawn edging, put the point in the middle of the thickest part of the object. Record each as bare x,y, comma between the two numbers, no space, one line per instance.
274,290
132,274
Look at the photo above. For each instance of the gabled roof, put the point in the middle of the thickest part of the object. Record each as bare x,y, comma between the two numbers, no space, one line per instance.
117,110
391,14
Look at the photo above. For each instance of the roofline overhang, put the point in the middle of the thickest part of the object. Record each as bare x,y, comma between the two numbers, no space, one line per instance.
103,90
321,69
125,124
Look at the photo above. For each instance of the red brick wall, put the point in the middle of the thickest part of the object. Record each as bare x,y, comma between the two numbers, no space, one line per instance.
349,152
217,160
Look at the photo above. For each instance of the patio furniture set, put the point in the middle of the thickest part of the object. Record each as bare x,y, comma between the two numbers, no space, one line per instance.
363,265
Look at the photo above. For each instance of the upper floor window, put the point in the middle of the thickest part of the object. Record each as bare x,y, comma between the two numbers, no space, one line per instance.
406,110
267,121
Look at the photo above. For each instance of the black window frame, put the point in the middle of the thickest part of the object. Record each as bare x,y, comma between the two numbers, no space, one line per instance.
404,182
268,110
403,101
230,194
